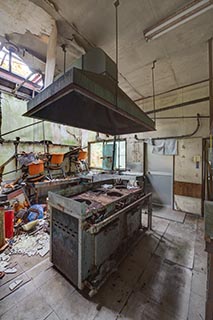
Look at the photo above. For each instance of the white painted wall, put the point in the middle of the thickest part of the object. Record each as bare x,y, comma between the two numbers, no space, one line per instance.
184,169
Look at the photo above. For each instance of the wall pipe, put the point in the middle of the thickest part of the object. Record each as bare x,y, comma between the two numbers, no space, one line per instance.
183,117
40,143
175,137
15,130
171,90
183,104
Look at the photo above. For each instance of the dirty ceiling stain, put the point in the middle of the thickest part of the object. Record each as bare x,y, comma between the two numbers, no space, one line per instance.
22,16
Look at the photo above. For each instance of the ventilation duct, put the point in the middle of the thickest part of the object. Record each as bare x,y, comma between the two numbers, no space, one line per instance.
85,97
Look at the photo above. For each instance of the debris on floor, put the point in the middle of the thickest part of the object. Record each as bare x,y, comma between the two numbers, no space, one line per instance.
31,244
4,262
30,239
10,270
15,284
30,225
5,265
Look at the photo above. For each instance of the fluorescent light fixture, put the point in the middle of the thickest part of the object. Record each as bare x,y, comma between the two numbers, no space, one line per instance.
181,16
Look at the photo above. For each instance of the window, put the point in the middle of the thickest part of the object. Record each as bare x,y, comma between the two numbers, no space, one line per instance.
101,154
10,61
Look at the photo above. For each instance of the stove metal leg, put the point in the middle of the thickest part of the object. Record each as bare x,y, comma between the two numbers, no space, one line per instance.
150,212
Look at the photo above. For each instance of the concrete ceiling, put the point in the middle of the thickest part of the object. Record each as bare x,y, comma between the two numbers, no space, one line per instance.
181,54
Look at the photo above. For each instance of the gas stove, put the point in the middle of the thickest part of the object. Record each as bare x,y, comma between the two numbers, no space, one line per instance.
103,202
93,226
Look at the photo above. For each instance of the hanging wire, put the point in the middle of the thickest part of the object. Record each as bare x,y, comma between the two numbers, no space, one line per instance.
44,139
33,95
116,4
65,55
119,154
153,88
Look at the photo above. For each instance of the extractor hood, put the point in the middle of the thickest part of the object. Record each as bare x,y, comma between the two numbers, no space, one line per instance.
85,97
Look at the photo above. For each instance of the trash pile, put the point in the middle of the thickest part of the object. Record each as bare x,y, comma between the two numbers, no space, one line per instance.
24,217
35,242
25,230
25,244
5,265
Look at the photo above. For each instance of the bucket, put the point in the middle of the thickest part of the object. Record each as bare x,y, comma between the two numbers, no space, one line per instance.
57,158
9,223
36,168
82,155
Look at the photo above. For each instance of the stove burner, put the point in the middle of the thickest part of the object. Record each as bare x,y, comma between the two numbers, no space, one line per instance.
88,202
114,194
98,191
120,187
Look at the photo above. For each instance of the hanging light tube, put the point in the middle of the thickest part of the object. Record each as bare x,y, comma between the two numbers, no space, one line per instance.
181,16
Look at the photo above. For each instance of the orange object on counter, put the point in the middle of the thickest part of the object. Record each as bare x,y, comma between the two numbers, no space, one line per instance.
18,206
36,168
82,155
57,158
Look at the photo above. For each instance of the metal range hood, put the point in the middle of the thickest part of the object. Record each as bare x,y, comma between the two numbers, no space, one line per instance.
85,97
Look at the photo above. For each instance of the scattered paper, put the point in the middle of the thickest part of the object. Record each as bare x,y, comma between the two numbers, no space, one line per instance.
10,270
31,245
15,284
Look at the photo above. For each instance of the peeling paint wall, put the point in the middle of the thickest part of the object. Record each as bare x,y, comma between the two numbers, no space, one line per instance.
12,110
23,15
185,169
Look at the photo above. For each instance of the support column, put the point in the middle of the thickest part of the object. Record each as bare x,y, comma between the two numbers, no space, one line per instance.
1,139
210,84
51,57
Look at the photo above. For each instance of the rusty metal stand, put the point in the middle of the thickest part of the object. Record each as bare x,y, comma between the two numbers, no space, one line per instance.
150,211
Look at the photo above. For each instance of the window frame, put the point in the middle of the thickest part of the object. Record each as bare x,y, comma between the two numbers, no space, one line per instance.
106,141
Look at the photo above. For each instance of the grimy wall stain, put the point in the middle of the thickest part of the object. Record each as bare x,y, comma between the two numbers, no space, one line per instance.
12,118
185,169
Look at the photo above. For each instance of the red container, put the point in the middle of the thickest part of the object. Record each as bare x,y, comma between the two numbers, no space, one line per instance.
9,223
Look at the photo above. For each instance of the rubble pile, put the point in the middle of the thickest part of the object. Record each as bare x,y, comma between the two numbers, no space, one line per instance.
37,244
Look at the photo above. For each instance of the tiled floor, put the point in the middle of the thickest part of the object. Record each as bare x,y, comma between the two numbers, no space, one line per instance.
163,278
